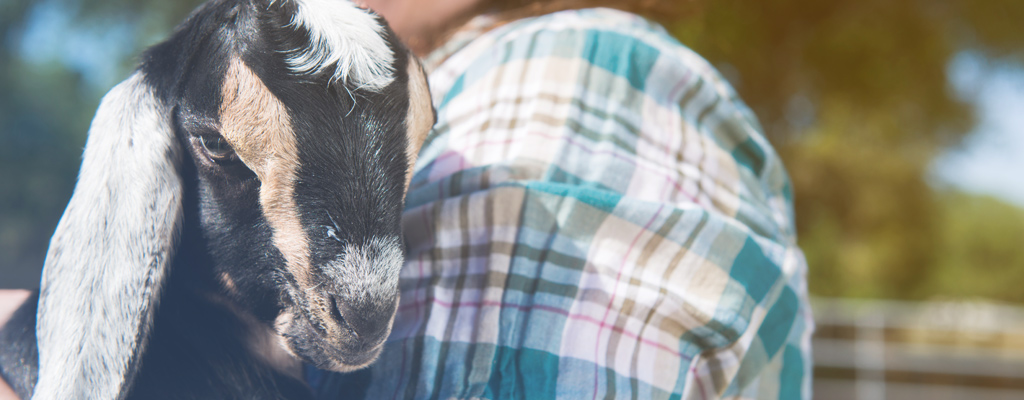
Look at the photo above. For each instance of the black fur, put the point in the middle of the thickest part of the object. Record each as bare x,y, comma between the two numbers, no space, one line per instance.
352,145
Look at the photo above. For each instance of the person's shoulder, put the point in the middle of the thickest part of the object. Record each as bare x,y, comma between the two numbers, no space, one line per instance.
570,39
591,18
592,21
610,33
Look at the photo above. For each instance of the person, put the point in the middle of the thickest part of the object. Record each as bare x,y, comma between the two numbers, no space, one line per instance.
595,214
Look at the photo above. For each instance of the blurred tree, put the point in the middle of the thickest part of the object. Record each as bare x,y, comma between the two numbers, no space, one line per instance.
39,106
979,249
856,98
45,109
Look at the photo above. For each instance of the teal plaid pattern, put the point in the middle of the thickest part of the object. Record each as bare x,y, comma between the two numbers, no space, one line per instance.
595,215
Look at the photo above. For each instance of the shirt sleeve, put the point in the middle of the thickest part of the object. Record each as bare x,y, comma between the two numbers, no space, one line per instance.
594,215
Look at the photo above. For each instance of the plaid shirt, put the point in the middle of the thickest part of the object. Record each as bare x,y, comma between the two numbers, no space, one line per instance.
595,215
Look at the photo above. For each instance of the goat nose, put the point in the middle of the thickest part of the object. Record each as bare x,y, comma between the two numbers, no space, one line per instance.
367,321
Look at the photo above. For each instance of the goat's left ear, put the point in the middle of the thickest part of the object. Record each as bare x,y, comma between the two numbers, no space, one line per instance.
111,251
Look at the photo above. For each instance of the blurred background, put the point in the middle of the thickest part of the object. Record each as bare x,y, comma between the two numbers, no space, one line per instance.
901,124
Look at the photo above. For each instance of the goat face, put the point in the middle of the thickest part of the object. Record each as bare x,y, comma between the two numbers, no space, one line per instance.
301,176
301,120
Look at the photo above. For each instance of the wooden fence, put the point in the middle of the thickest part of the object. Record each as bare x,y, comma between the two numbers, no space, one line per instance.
878,350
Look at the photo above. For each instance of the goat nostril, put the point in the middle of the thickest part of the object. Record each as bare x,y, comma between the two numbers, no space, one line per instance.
336,313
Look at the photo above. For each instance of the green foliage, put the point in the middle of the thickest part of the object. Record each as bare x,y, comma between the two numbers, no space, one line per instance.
39,158
865,215
979,250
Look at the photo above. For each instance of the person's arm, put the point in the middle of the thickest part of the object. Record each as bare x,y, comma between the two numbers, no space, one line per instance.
10,300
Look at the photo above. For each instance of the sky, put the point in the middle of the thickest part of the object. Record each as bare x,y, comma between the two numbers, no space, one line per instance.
51,35
990,161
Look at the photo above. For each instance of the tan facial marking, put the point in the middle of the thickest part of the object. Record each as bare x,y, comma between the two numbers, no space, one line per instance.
257,126
229,283
421,114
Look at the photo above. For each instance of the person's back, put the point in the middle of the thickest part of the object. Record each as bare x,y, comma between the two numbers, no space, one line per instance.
595,214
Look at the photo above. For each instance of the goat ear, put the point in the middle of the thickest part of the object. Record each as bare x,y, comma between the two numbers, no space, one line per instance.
421,116
112,250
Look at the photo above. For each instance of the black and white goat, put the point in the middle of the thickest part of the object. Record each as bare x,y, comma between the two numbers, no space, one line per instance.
237,212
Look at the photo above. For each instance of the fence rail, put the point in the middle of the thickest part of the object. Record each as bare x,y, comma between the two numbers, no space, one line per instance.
878,350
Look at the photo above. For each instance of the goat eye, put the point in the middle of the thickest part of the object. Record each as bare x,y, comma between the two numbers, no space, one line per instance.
217,148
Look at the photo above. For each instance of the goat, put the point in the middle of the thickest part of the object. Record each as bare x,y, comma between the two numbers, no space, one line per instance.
237,212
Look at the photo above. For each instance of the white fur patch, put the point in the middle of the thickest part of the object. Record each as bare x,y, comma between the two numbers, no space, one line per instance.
370,272
347,37
111,251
